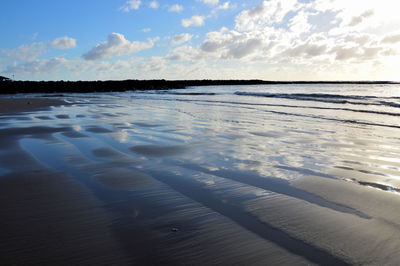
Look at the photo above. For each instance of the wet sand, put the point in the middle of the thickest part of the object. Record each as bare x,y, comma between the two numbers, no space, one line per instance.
63,217
12,105
78,186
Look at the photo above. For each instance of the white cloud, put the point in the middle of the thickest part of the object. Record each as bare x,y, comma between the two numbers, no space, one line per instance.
353,15
345,53
266,14
226,44
63,43
391,38
181,38
262,36
25,52
242,49
358,39
30,52
184,53
193,21
154,4
131,5
299,23
308,49
117,45
107,67
37,66
210,2
176,8
359,19
225,6
153,64
277,39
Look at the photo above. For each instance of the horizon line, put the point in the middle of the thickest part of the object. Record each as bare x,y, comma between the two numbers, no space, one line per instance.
217,80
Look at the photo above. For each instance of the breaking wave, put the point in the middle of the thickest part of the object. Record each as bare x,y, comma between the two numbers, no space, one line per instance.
330,98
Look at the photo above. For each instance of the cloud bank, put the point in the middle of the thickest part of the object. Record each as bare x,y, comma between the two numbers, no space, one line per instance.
276,39
117,45
30,52
63,43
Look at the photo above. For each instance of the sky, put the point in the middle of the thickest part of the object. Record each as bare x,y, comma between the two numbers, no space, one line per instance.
200,39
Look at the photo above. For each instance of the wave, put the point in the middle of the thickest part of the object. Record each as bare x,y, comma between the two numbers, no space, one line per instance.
328,98
292,106
168,92
374,185
250,104
392,104
350,121
191,93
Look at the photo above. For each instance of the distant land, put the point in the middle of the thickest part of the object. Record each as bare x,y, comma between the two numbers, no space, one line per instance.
8,86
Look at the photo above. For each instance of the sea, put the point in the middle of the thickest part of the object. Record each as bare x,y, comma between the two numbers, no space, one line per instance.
288,174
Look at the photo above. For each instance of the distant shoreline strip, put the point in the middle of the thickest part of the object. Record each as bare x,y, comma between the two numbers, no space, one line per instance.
13,87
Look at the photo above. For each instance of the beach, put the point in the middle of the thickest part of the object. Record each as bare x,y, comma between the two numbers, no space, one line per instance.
215,175
15,105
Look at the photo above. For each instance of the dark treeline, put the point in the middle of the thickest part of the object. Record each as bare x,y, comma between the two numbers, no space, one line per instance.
12,87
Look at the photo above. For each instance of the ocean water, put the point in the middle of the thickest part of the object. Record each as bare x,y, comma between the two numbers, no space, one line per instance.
284,174
287,131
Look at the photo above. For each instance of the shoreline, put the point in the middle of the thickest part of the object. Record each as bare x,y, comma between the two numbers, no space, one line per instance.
13,87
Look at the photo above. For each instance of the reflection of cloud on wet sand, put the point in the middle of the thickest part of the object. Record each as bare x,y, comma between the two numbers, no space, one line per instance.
122,135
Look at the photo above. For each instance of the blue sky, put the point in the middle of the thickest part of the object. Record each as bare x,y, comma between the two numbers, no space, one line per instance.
212,39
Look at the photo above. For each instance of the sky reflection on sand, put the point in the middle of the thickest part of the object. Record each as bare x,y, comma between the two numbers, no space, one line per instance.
295,189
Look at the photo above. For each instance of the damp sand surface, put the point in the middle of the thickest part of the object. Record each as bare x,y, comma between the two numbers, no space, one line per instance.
228,175
12,105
